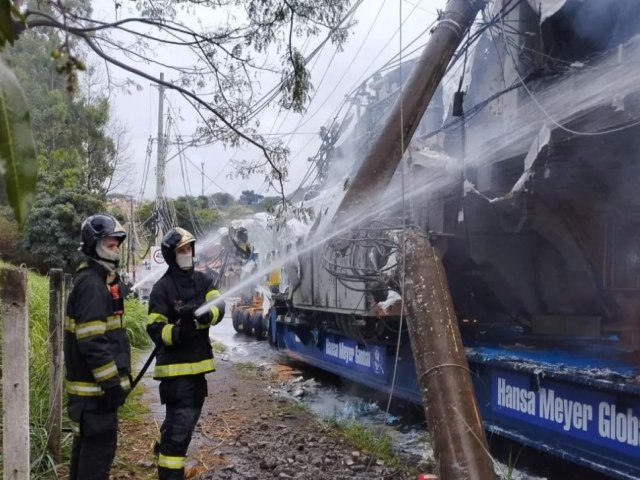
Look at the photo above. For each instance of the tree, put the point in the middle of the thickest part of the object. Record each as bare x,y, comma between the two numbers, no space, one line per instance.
249,197
53,229
194,214
268,204
221,83
72,133
222,200
76,159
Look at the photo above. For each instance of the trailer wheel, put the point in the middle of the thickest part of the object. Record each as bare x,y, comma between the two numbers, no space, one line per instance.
245,317
271,326
258,328
235,317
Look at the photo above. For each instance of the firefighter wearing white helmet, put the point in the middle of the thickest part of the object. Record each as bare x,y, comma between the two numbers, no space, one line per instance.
184,350
96,350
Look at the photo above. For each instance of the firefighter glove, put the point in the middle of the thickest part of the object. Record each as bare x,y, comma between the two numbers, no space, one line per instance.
205,318
187,330
187,312
220,305
114,397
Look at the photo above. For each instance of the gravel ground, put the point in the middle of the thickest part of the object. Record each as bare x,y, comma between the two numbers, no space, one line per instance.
259,434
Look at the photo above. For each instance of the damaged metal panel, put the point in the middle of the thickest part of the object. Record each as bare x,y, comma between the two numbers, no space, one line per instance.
546,8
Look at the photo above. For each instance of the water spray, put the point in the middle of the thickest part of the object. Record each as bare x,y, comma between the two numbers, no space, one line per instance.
349,223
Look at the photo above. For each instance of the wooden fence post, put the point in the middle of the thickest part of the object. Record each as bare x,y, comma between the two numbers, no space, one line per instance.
67,288
15,374
56,330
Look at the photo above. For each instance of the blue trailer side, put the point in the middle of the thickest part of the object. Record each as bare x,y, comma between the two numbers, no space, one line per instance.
573,399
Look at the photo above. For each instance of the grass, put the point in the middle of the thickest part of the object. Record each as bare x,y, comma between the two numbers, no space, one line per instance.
246,370
42,463
219,347
511,463
367,439
291,407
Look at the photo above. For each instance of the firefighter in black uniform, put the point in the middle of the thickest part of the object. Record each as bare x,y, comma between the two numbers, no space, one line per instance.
96,350
184,349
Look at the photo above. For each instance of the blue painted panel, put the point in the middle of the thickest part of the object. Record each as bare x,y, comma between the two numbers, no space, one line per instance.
593,427
371,365
596,425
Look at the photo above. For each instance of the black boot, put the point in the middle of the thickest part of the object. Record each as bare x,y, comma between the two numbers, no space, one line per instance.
170,474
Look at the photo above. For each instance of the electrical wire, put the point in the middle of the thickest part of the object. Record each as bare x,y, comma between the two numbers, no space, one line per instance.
403,233
544,111
349,65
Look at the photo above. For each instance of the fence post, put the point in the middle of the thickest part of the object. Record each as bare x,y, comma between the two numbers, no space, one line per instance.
56,330
15,373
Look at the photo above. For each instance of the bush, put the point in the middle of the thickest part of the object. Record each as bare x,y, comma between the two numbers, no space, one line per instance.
136,322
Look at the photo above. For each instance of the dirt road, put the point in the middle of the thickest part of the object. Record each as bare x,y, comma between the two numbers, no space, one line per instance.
246,431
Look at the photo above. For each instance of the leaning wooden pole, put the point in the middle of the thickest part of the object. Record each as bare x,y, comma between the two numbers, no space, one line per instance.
452,412
378,167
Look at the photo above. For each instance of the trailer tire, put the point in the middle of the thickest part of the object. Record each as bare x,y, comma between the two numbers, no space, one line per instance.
235,318
271,326
245,318
258,328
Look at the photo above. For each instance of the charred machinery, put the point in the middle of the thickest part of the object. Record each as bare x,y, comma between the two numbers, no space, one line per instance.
524,174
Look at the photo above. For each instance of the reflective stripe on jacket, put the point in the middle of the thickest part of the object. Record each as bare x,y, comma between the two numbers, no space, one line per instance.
174,359
96,346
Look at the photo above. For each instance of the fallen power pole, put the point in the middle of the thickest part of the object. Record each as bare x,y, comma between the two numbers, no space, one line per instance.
443,373
451,407
386,151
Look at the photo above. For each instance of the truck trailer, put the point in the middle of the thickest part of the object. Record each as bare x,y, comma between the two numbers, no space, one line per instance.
523,174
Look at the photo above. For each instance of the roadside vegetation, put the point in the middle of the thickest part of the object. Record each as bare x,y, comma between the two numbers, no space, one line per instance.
42,463
367,439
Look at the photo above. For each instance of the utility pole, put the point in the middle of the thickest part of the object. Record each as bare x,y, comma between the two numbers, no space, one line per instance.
130,258
160,161
378,167
202,178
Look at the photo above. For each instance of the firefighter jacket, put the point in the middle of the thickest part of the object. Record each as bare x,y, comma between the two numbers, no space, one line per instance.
96,346
175,359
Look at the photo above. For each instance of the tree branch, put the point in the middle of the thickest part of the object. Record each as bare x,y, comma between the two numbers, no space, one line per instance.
191,95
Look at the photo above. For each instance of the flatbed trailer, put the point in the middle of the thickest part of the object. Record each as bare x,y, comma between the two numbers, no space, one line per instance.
574,399
529,196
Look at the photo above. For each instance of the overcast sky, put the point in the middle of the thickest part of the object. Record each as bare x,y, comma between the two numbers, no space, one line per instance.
374,40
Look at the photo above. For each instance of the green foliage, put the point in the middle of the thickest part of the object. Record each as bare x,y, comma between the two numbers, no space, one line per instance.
222,200
53,229
219,347
198,215
70,132
10,17
18,164
296,85
249,197
76,158
367,439
38,290
136,322
269,204
194,214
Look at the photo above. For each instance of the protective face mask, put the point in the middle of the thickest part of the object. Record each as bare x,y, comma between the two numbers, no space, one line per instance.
108,258
184,261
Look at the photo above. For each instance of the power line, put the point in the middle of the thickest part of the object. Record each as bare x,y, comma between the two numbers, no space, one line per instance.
544,111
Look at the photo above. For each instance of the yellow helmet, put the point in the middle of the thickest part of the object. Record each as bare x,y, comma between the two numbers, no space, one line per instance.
175,238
